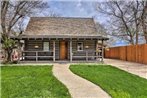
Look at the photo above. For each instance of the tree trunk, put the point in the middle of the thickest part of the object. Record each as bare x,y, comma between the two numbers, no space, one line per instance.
131,40
8,52
137,29
136,38
143,21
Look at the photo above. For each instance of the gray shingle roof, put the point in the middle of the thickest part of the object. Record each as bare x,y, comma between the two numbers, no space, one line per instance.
61,27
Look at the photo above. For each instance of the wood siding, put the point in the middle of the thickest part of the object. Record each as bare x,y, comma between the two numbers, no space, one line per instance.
30,46
90,43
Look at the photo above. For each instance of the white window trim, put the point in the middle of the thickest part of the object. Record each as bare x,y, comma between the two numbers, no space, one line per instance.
48,46
82,46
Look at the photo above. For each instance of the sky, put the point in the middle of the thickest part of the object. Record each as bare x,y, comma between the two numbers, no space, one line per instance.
79,8
75,8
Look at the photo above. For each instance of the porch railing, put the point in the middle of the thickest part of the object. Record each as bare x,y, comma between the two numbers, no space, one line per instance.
49,55
36,55
87,55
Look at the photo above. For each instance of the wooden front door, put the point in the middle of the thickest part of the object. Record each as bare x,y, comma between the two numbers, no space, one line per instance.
63,50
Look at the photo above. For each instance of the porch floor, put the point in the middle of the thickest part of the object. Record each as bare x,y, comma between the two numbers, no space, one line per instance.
63,61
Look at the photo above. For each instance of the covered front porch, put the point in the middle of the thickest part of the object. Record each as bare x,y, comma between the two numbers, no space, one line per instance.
62,49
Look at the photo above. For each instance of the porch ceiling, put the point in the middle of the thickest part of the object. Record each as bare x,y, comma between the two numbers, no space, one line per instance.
58,37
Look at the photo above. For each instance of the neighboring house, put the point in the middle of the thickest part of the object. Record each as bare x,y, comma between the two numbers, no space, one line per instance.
60,38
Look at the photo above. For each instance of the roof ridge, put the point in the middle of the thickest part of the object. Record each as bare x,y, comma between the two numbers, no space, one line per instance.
66,17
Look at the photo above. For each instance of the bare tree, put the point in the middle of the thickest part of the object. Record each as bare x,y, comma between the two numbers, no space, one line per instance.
19,27
100,29
124,18
144,18
11,13
134,7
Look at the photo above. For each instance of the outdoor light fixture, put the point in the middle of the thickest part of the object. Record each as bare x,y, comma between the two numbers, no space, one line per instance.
99,41
86,47
22,41
99,50
36,46
107,48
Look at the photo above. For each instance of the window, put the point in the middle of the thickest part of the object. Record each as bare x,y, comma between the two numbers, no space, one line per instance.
45,46
80,46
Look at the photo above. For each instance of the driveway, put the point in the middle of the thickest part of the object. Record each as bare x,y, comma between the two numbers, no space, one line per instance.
77,86
134,68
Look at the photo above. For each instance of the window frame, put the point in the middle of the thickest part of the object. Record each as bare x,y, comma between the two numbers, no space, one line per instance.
82,43
48,45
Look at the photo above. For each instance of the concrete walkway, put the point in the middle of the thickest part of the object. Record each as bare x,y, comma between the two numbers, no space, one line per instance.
134,68
78,87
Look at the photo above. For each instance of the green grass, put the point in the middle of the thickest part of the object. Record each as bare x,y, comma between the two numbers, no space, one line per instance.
116,82
31,82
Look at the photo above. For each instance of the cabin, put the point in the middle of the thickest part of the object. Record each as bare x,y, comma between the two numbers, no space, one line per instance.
62,39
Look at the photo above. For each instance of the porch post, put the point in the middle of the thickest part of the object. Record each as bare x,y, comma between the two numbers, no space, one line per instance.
70,50
102,50
96,48
36,55
86,55
53,50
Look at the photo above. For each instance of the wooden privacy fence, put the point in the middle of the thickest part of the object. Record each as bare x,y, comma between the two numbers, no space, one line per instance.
133,53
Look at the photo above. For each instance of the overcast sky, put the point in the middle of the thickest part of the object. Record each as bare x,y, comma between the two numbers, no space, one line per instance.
75,8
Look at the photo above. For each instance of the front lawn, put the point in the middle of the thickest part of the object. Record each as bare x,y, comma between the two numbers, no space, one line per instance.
116,82
31,82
